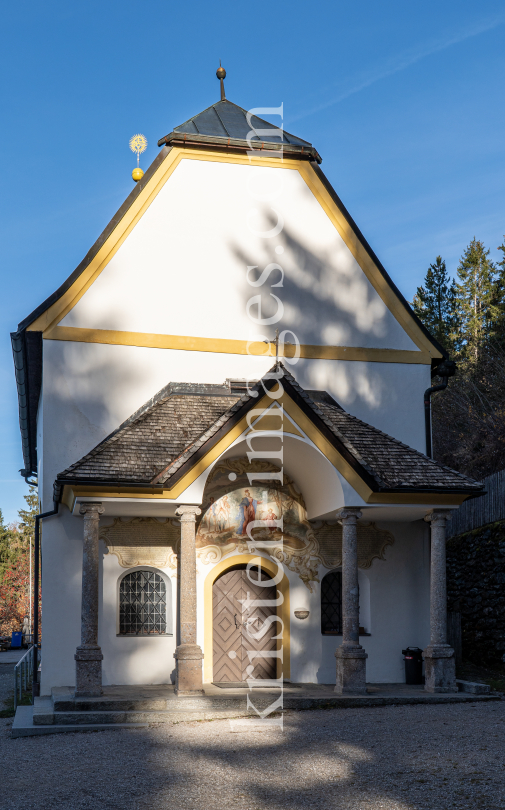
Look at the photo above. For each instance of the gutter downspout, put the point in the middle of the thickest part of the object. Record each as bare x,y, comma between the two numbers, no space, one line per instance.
36,574
445,370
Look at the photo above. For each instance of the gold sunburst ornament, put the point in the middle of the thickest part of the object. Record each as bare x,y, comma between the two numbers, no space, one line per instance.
138,144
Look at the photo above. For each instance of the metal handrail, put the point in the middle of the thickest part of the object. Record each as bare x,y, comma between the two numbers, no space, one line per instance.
23,673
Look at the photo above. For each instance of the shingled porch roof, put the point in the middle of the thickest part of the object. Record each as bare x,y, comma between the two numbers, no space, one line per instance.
159,443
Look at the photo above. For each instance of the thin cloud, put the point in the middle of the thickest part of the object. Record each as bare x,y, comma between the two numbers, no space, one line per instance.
401,62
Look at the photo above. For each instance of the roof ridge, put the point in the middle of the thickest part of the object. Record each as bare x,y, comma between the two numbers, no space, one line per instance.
252,393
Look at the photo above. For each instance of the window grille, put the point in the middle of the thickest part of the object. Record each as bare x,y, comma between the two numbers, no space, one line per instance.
331,603
142,604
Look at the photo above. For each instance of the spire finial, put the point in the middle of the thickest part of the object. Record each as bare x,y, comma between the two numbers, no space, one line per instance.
138,144
221,75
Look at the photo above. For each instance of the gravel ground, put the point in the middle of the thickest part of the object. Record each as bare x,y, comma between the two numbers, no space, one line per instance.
6,684
396,758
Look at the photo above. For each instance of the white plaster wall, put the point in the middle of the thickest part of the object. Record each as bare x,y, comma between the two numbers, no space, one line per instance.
89,389
399,607
182,270
61,598
140,660
395,610
394,596
127,659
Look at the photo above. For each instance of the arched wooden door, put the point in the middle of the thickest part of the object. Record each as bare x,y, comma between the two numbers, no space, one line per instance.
233,644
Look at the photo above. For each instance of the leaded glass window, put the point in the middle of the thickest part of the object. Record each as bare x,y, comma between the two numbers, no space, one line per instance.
331,603
142,604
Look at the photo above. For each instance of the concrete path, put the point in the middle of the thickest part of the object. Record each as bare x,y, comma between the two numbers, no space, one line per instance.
420,757
11,656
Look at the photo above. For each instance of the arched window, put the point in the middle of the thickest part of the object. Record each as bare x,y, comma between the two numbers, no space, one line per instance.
331,603
143,604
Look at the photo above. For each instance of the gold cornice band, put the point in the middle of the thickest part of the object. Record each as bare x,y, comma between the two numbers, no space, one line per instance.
223,346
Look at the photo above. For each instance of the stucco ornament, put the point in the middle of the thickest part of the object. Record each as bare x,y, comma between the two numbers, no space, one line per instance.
143,541
372,543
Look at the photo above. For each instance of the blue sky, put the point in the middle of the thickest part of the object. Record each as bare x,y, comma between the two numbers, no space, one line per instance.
405,103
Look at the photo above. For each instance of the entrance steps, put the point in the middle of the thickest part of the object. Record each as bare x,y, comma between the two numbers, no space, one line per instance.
143,706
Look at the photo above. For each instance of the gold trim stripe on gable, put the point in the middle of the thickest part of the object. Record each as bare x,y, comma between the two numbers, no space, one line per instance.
148,340
57,311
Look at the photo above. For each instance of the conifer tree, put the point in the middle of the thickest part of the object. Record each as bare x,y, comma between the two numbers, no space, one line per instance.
27,516
7,552
436,305
477,305
499,298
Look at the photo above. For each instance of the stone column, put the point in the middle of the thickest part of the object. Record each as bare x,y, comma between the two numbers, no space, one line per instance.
188,655
351,657
88,657
439,661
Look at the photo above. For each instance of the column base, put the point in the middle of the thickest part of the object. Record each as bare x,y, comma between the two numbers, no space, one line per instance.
351,671
88,672
440,669
188,670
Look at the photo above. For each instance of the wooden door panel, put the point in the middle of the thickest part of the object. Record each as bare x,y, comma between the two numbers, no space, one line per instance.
230,628
255,620
227,610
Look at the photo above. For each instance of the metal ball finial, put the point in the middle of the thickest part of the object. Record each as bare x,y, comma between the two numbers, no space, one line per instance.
221,75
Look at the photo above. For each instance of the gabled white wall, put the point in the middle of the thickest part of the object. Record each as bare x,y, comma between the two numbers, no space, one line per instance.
182,270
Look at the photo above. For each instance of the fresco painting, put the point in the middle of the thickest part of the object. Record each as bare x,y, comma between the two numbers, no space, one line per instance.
231,504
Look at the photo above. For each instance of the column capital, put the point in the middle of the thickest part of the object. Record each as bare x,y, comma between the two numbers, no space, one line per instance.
348,514
438,515
91,509
188,512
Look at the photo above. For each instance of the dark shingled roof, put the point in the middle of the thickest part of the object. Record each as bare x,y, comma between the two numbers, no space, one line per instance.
228,120
227,124
156,445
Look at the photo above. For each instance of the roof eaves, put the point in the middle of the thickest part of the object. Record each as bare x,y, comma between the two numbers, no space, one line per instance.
240,145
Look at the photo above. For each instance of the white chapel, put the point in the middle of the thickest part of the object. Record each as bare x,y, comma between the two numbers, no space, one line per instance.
223,406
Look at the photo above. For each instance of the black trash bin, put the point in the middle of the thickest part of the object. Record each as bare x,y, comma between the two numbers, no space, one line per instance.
413,665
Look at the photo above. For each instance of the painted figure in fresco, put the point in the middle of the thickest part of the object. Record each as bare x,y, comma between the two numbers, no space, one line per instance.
210,515
269,518
247,512
223,514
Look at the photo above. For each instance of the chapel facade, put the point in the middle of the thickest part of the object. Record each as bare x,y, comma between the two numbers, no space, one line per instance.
230,502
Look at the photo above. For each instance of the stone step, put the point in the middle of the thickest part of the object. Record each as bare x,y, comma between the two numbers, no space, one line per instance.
42,711
146,718
172,703
473,688
23,725
108,704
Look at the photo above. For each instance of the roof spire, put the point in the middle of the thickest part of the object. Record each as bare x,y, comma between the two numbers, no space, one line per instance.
221,75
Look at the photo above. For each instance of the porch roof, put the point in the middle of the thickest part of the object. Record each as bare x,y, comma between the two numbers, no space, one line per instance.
159,443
